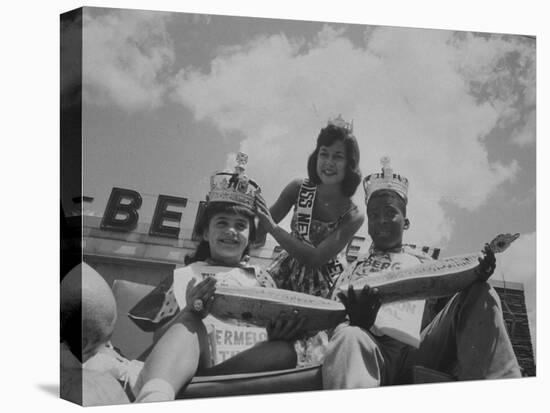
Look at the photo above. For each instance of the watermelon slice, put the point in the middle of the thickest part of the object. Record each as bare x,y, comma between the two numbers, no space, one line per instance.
259,306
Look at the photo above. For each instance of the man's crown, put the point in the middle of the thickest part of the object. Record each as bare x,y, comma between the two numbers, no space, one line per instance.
387,179
341,123
234,187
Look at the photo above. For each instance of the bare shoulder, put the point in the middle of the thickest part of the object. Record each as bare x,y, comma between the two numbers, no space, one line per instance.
290,192
285,201
295,184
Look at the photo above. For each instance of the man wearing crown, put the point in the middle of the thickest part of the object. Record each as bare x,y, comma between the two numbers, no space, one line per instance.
467,339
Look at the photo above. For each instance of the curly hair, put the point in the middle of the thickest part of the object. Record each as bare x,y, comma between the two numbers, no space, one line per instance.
202,252
327,137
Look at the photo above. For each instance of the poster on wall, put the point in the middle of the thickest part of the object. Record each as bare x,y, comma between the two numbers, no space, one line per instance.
254,205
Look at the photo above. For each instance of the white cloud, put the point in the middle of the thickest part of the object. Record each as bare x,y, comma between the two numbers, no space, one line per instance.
526,133
426,98
501,70
126,56
408,92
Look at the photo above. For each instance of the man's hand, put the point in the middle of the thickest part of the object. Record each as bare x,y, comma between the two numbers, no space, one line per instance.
487,264
361,307
285,328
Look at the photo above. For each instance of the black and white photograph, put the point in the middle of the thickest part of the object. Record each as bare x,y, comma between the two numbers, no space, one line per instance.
288,206
273,206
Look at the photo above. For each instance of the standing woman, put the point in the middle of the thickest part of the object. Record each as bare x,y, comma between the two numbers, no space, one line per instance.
325,218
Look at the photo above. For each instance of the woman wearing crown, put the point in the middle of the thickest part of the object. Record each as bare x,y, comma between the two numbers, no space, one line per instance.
324,220
177,311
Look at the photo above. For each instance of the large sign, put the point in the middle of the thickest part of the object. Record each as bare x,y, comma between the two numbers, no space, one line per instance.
122,215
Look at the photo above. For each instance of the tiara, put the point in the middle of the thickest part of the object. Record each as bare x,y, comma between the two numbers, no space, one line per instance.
387,179
234,187
339,122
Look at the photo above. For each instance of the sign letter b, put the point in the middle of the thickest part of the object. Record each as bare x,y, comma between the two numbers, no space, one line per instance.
116,207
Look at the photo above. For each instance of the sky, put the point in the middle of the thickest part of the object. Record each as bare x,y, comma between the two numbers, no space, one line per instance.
169,98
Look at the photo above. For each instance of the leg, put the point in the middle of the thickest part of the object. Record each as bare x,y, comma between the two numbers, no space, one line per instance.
353,360
469,335
177,354
264,356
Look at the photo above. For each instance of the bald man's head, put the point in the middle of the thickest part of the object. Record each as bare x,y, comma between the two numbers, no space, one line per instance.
88,311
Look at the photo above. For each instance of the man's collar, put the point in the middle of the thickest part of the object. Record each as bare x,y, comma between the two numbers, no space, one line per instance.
376,251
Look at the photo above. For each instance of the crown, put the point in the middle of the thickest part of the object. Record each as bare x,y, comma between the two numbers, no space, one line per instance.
387,179
234,187
341,123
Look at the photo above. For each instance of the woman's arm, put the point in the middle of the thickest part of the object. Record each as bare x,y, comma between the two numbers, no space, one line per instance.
281,207
307,254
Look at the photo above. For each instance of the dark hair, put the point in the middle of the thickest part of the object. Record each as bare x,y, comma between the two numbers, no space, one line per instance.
327,137
202,252
388,193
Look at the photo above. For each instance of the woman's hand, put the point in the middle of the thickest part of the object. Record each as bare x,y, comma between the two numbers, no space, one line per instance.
262,211
487,264
285,328
362,307
200,297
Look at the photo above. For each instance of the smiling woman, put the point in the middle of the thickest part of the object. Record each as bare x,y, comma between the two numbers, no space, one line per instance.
331,163
325,218
324,221
229,233
180,318
226,231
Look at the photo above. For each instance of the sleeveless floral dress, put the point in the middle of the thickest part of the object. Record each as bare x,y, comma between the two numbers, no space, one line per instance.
290,274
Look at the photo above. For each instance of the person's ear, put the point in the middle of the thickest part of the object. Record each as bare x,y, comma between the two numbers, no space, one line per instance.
407,224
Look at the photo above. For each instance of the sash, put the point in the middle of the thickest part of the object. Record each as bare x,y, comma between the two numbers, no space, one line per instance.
304,209
304,215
